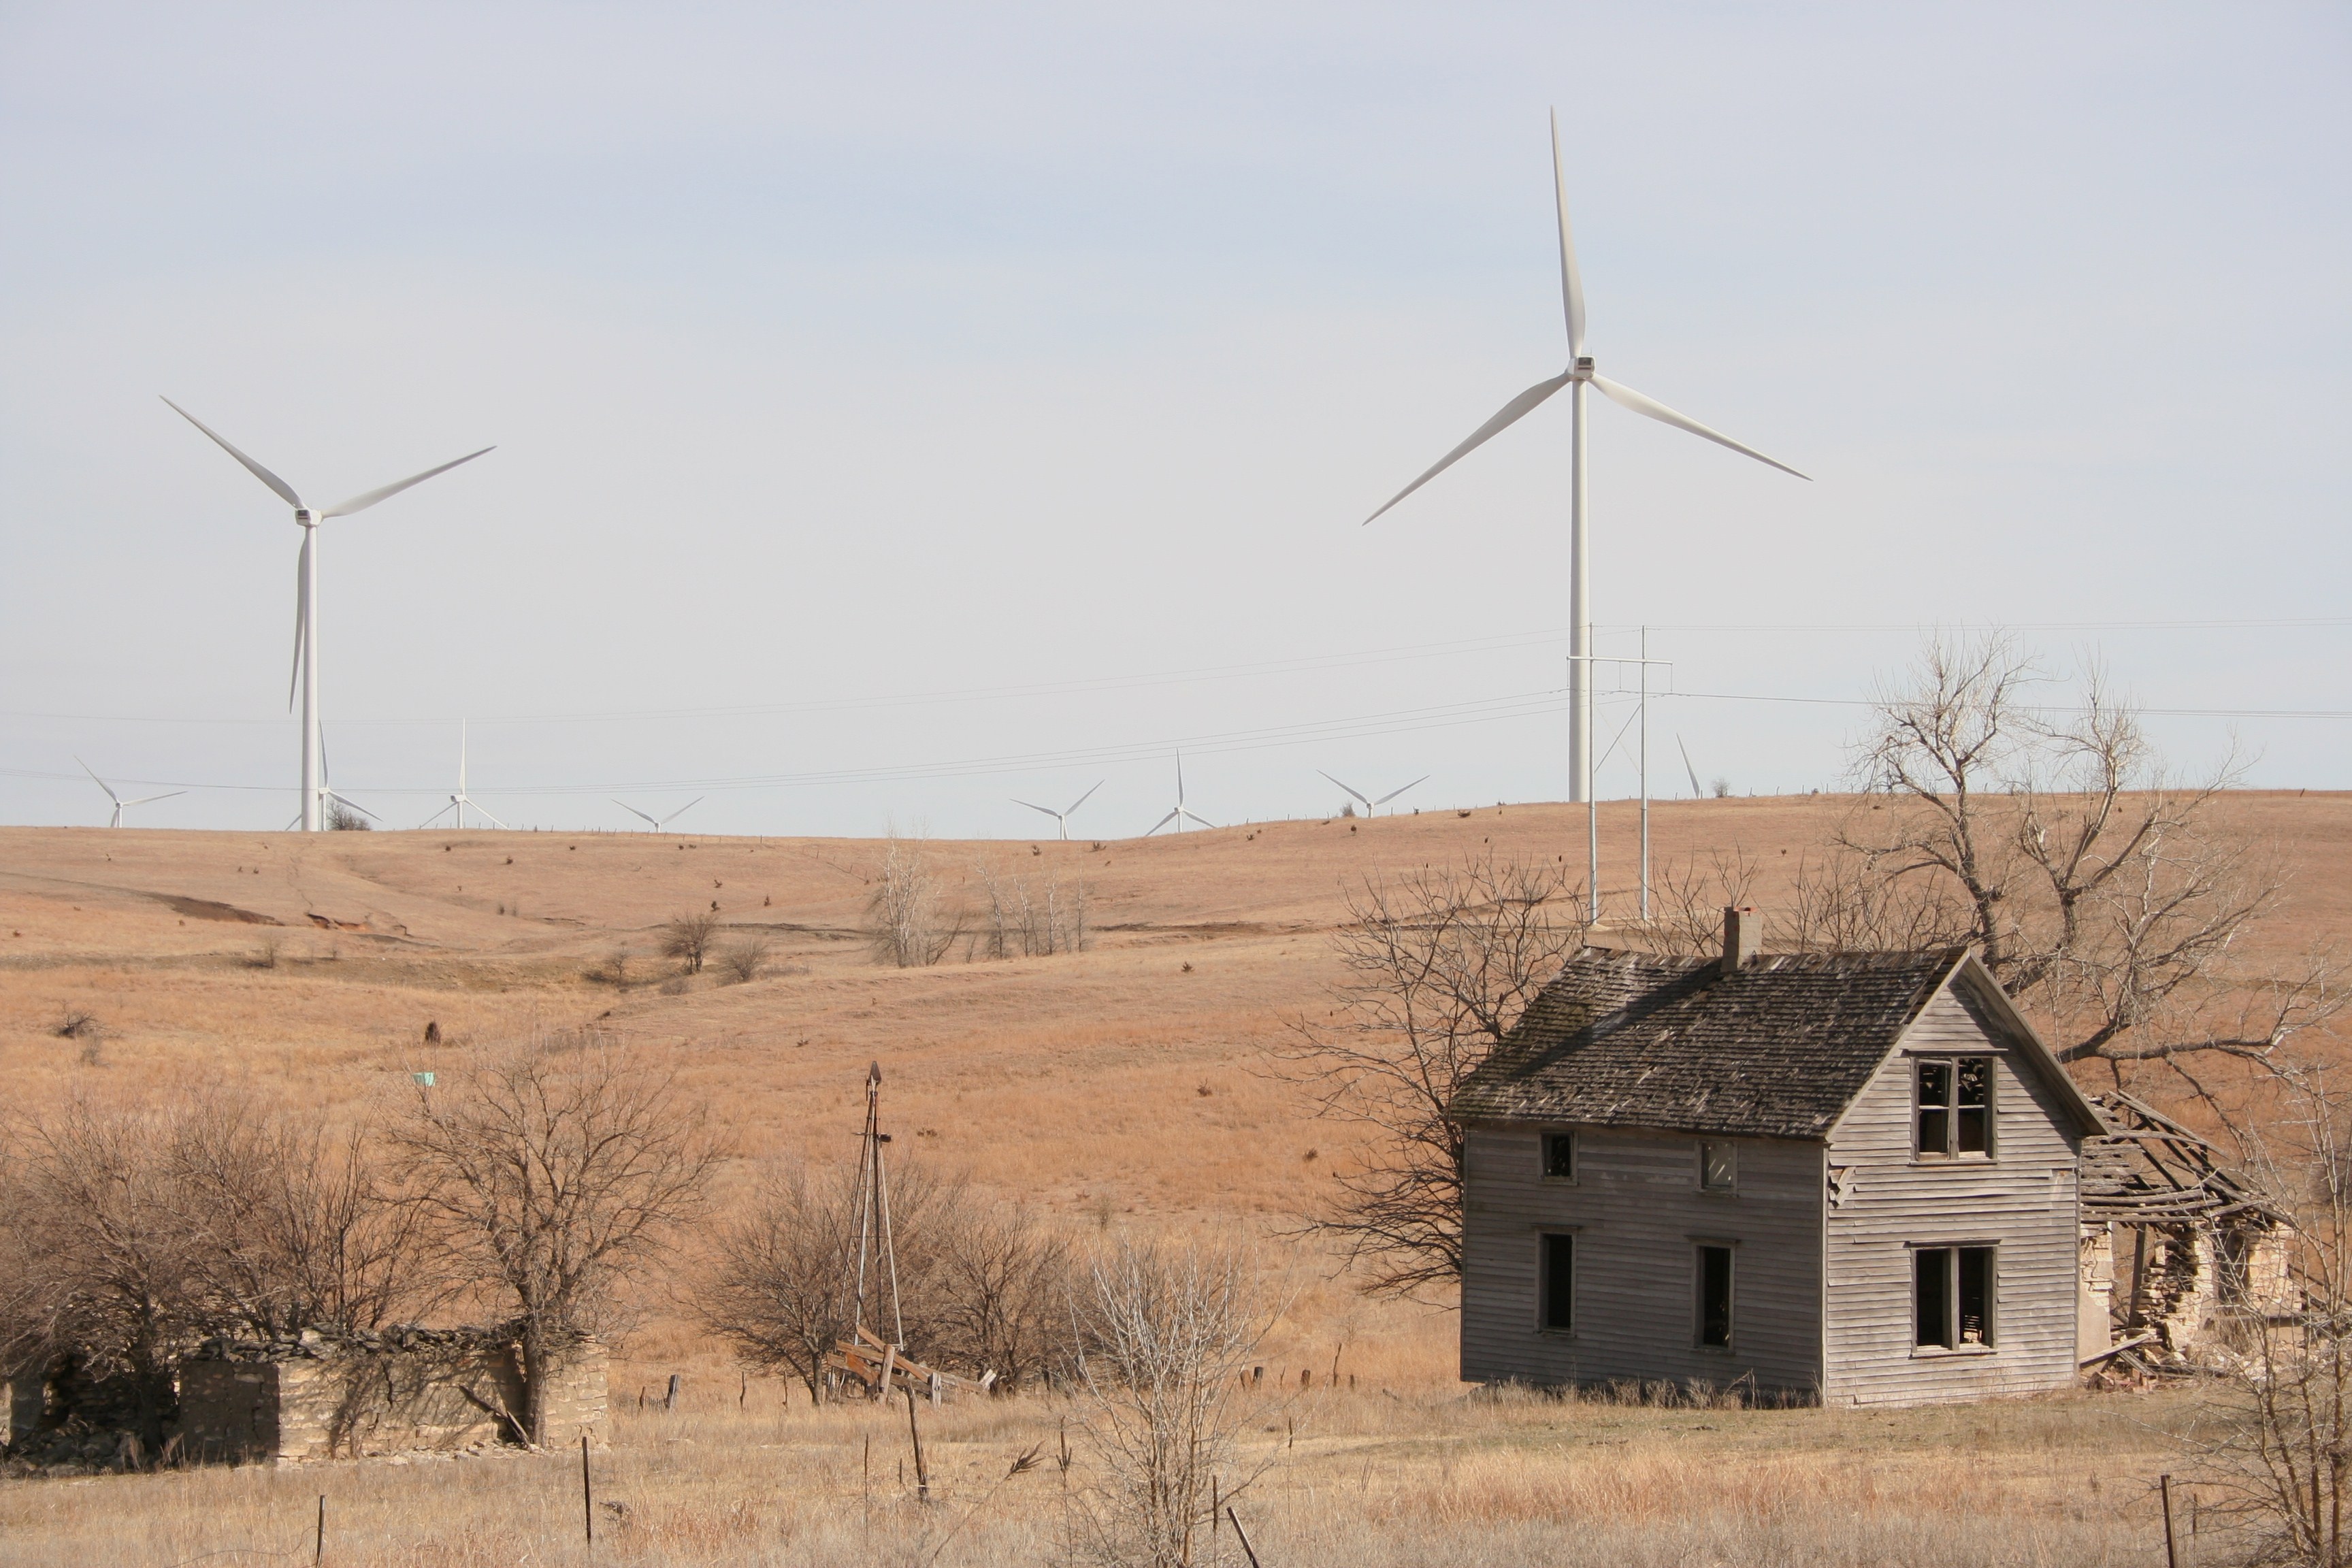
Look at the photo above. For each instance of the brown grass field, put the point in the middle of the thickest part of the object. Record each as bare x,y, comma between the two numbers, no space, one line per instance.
1123,1088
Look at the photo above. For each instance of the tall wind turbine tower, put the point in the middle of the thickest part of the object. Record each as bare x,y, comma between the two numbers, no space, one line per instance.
1578,376
306,602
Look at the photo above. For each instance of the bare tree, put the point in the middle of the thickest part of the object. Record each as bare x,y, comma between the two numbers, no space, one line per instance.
2273,1438
552,1173
291,1227
2111,901
688,939
743,959
1167,1335
1026,922
779,1291
98,1224
906,922
1439,965
999,1295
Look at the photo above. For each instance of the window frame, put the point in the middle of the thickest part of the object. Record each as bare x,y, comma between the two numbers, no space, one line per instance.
1545,1143
1952,1284
1730,1254
1547,1297
1950,1111
1731,1165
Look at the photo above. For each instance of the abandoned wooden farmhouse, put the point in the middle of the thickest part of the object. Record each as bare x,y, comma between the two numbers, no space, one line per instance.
1854,1177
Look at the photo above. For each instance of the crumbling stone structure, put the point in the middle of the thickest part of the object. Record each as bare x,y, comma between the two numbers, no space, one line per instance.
402,1390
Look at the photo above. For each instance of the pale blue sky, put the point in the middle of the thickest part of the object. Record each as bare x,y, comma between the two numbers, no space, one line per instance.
842,356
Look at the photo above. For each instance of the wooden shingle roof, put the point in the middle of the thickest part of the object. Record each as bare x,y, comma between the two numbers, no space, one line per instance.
1777,1049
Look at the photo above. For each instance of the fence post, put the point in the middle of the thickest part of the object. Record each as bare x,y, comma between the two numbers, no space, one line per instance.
671,1403
318,1550
923,1475
587,1497
2171,1550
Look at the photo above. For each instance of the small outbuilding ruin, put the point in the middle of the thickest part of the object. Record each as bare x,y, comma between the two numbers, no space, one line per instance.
405,1390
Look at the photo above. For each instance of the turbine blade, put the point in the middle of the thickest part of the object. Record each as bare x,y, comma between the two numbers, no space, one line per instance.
361,503
494,821
1082,799
633,811
1571,282
100,782
355,805
1510,413
301,615
1665,416
1163,821
150,800
1395,793
1697,792
1351,789
1033,806
438,815
284,491
1196,816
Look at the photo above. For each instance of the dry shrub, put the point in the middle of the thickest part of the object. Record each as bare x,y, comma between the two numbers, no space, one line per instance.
1167,1334
742,959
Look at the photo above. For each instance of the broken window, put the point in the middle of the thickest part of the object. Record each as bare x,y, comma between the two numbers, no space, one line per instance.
1715,1297
1717,1167
1952,1297
1559,1156
1556,1309
1955,1105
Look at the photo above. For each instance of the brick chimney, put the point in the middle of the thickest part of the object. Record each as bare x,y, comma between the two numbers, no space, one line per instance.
1743,937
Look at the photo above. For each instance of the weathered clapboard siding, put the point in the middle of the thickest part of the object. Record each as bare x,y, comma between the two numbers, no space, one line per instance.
1638,1215
2021,1200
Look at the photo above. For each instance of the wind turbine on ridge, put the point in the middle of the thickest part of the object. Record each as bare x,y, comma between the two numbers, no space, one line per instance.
1369,802
306,600
1579,375
461,799
653,824
1062,817
121,805
1182,812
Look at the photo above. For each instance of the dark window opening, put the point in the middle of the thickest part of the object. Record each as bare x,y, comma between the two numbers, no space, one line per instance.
1955,1106
1952,1295
1715,1297
1559,1156
1556,1310
1717,1170
1973,1115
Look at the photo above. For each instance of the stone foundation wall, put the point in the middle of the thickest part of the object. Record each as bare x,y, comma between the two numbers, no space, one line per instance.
402,1392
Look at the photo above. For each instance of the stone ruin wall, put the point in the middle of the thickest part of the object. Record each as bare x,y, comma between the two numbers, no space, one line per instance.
404,1393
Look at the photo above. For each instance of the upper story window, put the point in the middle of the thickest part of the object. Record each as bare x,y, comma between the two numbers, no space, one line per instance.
1955,1105
1718,1167
1559,1156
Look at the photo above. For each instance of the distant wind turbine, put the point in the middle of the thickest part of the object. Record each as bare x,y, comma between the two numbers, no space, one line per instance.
121,805
306,602
461,799
653,824
1182,812
1579,375
327,795
1370,803
1062,817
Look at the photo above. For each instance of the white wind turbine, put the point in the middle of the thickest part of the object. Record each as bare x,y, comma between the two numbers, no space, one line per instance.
1181,814
461,799
121,805
1062,817
1370,803
653,824
306,602
1579,375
